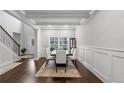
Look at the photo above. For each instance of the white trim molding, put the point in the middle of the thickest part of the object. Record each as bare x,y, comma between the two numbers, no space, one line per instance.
106,63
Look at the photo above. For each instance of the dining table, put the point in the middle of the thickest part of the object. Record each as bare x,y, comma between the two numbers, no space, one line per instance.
53,53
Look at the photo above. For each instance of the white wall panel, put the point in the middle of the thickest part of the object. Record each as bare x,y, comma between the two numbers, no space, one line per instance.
102,37
118,69
101,63
89,57
108,65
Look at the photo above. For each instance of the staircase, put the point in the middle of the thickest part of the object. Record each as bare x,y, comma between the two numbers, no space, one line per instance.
8,41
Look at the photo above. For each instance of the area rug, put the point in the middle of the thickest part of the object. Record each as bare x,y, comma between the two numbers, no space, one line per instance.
9,67
50,71
27,56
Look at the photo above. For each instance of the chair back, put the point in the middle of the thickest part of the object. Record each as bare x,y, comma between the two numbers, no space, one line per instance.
47,52
61,57
74,52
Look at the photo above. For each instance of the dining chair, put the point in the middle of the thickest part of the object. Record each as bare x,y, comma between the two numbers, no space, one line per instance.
73,57
61,58
48,56
72,50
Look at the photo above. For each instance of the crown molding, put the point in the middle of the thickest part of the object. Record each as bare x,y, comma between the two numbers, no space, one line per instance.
20,16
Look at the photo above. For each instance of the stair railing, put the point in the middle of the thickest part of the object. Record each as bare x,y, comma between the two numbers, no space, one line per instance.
9,41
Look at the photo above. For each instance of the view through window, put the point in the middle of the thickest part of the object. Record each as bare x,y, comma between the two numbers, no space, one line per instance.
58,43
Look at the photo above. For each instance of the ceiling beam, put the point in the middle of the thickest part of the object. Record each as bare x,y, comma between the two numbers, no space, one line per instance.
57,23
57,15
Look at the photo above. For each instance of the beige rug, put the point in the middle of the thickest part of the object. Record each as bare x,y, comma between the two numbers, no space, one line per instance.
27,56
9,67
50,71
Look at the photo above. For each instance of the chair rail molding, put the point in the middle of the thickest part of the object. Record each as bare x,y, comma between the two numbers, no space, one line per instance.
106,63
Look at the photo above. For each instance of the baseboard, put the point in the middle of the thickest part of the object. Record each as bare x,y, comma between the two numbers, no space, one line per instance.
9,62
97,73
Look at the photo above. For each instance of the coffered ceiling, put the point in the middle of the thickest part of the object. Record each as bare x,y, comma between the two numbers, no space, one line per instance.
56,17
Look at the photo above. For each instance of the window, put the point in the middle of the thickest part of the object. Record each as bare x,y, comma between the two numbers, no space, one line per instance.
58,43
64,43
53,43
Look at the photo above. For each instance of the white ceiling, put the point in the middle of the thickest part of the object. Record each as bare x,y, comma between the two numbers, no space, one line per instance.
56,17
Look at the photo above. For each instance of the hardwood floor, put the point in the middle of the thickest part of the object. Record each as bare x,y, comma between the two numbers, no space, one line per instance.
25,72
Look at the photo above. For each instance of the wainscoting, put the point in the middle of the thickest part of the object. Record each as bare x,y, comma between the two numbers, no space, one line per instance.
106,64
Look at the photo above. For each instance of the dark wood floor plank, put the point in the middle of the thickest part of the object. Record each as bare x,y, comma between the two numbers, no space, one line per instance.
25,72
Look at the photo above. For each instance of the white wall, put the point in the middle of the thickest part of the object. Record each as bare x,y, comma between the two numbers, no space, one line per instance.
27,34
104,30
7,56
43,38
9,23
39,45
101,46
